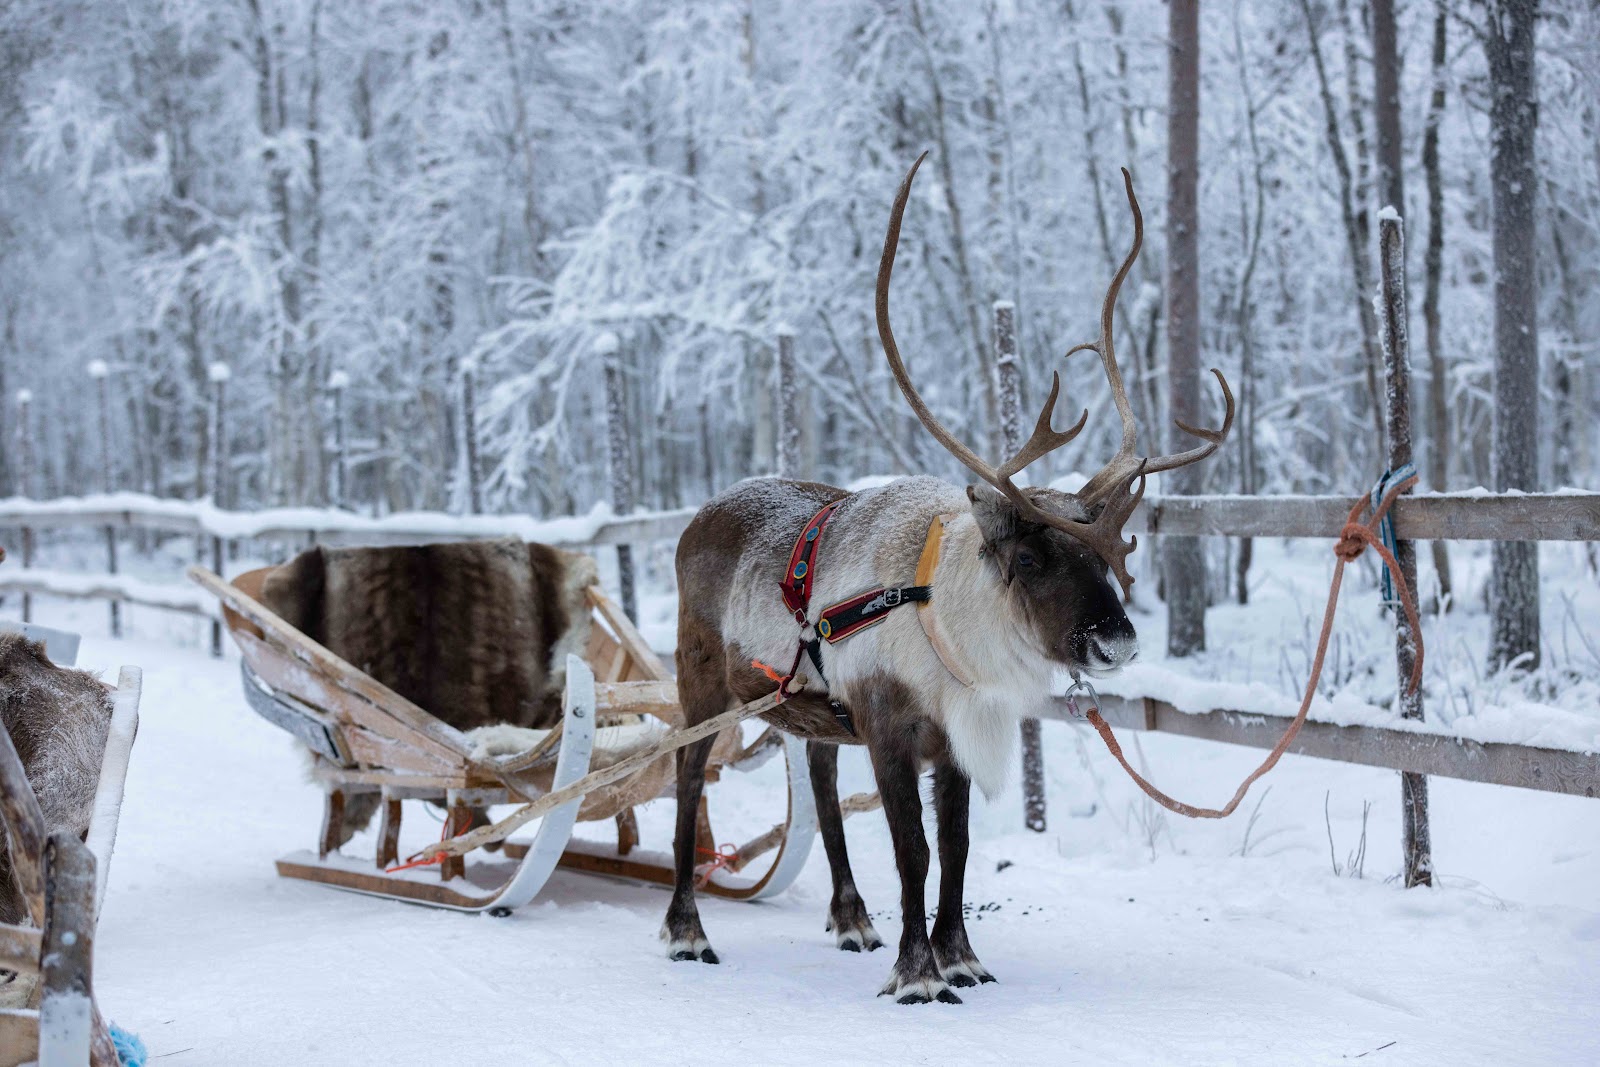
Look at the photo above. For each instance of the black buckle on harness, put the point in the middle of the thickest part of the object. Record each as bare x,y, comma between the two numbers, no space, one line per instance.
842,714
891,597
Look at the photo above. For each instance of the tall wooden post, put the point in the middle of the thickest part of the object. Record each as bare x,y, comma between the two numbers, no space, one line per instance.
1397,371
101,375
1010,381
469,435
24,481
218,373
786,417
607,347
338,382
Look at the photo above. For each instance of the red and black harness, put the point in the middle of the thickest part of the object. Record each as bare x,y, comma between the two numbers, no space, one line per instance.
837,621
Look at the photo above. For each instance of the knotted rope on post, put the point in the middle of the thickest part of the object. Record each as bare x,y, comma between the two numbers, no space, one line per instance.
1354,539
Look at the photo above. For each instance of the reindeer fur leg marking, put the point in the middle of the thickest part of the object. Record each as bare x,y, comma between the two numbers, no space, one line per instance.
952,796
847,914
897,734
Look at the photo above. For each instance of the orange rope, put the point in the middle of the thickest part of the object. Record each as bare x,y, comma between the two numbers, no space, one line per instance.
1353,540
770,672
722,856
445,834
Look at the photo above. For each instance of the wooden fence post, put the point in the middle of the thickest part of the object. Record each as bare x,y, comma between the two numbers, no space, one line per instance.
606,346
218,373
338,382
24,480
1397,372
1010,380
101,374
469,435
786,422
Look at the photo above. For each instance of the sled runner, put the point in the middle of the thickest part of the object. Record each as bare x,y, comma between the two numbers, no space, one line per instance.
62,882
611,749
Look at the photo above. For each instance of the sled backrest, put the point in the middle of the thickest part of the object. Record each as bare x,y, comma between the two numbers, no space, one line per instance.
351,719
361,721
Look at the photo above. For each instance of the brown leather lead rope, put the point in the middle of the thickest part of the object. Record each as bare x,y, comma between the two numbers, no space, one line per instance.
1353,540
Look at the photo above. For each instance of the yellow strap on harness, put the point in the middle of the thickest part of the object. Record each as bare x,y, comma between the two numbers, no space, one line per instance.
927,564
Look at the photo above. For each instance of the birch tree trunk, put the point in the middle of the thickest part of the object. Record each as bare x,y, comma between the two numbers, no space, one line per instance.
1009,378
1433,261
1183,558
1513,121
1351,195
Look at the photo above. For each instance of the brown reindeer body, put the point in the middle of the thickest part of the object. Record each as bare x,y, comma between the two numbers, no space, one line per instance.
57,718
1022,590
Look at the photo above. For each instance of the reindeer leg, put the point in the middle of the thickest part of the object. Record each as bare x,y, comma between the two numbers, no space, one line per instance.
952,796
685,937
847,914
894,744
703,692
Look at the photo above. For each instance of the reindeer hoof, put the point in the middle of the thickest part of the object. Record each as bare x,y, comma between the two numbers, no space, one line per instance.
700,952
965,973
694,947
851,928
918,990
857,938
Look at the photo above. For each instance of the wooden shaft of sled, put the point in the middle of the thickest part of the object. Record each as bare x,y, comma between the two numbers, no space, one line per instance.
460,846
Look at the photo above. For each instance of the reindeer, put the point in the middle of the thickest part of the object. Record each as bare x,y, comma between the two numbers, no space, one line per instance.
1017,588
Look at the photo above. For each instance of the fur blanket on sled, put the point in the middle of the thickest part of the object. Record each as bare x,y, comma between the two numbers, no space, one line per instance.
476,633
57,718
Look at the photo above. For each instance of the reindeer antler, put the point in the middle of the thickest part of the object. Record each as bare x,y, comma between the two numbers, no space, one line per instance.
1112,487
1044,438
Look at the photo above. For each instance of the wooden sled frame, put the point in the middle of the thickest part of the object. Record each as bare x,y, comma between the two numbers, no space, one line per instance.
367,738
63,885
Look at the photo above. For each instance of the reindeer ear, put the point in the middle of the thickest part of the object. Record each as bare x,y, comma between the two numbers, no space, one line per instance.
997,520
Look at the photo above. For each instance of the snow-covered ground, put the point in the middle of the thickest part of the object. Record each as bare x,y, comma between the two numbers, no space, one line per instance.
1122,935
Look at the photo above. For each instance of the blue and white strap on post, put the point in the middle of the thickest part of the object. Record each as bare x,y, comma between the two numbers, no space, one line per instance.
1386,525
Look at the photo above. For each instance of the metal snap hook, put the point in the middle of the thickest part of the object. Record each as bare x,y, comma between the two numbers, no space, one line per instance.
1080,687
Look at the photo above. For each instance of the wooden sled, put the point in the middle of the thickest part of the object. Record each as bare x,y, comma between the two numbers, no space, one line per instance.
63,884
367,738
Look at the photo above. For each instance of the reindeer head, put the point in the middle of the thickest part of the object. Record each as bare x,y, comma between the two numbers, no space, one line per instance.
1056,551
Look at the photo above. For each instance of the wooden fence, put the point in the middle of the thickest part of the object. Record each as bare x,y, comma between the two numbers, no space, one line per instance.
1413,748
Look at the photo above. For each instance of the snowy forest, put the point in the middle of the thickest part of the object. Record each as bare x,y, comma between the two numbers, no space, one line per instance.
377,382
379,205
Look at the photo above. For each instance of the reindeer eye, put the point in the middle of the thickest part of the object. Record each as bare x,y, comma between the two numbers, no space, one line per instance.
1024,558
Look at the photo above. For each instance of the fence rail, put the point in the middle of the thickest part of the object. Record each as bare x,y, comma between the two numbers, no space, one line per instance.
1569,516
135,511
1470,516
1433,517
1420,751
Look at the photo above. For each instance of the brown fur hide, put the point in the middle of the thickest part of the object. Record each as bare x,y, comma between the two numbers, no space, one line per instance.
476,633
57,718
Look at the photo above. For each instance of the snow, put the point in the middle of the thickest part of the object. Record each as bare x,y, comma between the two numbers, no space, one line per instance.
183,596
24,397
219,372
567,530
1122,935
1119,936
606,344
1388,213
338,380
